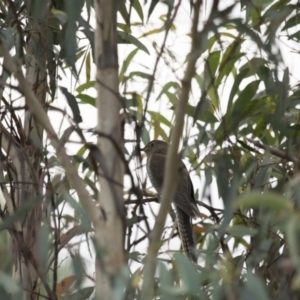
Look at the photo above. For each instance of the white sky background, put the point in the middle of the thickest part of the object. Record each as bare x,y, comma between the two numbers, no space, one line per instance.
179,43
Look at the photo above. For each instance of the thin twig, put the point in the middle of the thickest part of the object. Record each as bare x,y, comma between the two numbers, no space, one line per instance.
276,152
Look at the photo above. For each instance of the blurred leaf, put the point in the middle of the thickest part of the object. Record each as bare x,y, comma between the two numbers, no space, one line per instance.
89,33
84,293
19,214
78,267
123,11
73,104
126,38
43,246
61,16
138,8
245,96
152,6
267,200
211,66
87,99
167,87
291,22
241,231
166,282
295,36
160,118
126,64
121,283
8,283
152,31
69,44
7,36
64,285
85,86
231,55
188,274
254,288
140,74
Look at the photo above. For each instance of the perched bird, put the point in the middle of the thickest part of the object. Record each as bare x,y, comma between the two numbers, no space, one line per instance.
184,200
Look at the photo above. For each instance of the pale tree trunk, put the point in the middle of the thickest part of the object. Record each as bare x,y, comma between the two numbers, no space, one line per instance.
111,169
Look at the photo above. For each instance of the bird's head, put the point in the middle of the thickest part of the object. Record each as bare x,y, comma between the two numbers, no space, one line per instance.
155,146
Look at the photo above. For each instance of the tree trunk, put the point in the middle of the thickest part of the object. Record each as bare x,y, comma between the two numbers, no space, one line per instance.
111,168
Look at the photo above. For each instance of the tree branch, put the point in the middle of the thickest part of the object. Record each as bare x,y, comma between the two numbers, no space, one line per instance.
274,151
170,179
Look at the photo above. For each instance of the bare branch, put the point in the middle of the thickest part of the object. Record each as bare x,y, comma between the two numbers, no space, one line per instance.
171,164
276,152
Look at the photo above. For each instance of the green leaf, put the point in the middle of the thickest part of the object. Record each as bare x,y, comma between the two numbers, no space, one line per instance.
152,6
254,288
230,57
86,28
238,79
19,214
43,246
140,74
267,200
126,38
60,16
73,104
208,118
83,293
293,21
126,63
295,36
166,280
87,99
240,231
7,36
261,3
167,86
211,66
188,274
123,11
245,97
152,31
85,86
138,8
69,43
9,284
160,118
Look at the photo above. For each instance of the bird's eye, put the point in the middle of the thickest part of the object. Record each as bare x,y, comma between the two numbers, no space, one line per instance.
152,144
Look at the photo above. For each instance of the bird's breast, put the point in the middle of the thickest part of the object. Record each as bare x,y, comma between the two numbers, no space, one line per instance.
155,174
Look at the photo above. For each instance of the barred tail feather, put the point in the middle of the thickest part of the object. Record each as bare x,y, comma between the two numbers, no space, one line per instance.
186,233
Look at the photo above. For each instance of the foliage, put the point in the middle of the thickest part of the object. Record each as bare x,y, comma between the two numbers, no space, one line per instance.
241,144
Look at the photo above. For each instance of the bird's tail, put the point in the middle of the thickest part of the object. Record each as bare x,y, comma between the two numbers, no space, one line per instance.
186,233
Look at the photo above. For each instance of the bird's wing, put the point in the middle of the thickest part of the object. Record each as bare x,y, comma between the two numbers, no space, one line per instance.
156,170
184,197
186,233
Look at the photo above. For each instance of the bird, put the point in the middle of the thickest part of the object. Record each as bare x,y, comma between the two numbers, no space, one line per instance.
184,199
